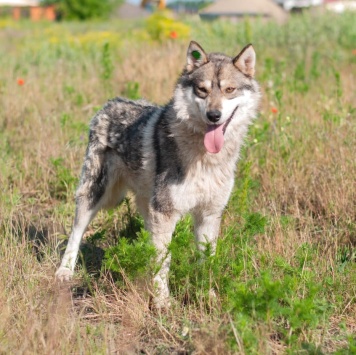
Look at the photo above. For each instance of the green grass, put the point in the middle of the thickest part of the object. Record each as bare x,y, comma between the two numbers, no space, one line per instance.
284,274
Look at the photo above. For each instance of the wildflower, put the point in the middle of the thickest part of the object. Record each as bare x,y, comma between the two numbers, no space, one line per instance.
274,109
20,81
173,35
255,141
354,51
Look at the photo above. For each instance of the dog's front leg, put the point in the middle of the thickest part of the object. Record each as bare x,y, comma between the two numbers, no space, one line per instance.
161,227
206,229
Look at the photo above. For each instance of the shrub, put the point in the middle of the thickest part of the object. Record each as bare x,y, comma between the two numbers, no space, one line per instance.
84,9
133,257
161,26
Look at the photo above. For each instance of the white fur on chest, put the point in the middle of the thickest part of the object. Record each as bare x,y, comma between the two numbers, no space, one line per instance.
204,186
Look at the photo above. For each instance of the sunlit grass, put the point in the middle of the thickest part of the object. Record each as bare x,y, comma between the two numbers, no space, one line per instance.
284,274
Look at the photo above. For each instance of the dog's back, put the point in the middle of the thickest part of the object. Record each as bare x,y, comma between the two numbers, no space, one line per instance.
120,126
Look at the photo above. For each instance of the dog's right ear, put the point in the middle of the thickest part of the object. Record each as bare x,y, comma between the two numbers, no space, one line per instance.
196,56
245,61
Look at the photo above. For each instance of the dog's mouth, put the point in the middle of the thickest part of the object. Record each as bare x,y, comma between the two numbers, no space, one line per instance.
214,135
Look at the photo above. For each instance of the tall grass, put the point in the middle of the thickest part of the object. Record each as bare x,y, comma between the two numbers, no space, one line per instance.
284,276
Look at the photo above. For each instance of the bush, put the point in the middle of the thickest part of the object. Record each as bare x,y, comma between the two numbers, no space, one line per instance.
134,257
161,26
84,9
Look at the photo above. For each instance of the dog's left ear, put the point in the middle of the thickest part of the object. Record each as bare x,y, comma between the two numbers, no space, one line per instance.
245,61
196,56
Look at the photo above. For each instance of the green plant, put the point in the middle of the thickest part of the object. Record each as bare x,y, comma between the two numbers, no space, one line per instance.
161,26
133,257
132,90
283,279
63,182
83,9
106,61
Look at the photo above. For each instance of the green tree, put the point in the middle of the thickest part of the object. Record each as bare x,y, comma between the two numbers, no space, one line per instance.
83,9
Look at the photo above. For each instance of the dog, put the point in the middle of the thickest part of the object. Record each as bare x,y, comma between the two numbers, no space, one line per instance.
179,158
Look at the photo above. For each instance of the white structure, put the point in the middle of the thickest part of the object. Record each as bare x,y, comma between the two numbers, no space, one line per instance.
298,4
235,9
341,6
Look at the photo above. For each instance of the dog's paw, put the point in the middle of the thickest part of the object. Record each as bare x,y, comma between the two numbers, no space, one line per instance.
161,299
64,274
161,303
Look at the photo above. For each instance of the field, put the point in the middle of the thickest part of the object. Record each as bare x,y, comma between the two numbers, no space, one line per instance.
285,270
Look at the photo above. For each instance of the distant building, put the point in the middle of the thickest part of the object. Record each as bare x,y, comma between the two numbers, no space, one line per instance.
237,9
28,9
340,6
298,4
188,6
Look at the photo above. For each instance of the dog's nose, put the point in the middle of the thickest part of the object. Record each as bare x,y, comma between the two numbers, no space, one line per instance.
213,115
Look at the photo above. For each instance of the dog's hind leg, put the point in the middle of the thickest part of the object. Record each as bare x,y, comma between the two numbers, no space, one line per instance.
100,187
83,216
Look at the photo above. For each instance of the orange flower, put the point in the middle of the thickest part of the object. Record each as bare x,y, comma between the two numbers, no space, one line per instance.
274,109
20,81
173,35
354,51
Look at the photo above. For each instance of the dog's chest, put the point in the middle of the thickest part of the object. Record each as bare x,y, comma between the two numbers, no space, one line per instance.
203,185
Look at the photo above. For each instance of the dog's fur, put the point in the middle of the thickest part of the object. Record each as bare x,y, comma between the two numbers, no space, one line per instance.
178,158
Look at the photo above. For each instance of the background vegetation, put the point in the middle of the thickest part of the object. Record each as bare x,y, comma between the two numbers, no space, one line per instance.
83,9
284,275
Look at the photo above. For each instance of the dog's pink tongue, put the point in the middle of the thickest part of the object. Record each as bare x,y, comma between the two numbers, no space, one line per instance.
214,138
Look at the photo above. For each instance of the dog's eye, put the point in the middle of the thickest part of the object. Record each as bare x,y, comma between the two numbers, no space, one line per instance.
229,90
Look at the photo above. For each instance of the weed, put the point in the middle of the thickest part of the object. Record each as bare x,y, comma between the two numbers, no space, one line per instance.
106,62
131,257
161,25
63,183
132,90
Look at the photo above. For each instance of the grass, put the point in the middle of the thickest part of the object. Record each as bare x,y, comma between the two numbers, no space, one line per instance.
284,274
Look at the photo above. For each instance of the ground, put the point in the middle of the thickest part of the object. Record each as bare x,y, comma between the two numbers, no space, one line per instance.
284,275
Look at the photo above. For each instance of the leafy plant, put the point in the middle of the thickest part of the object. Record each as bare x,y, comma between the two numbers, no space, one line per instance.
161,26
83,9
132,90
63,182
134,257
106,61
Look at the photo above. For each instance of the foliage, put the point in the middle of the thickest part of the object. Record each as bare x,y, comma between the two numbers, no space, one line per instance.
283,279
132,90
83,9
108,66
131,256
63,182
161,25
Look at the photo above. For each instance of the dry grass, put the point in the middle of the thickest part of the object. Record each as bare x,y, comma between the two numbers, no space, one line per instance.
304,166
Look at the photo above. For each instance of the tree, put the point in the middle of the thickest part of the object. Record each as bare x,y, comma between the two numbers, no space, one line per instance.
83,9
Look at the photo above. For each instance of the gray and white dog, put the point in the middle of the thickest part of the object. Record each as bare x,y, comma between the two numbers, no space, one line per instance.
176,159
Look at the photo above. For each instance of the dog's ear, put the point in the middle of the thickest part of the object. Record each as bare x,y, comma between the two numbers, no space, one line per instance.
195,56
245,61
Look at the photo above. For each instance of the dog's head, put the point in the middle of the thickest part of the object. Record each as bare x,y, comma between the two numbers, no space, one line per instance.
216,92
